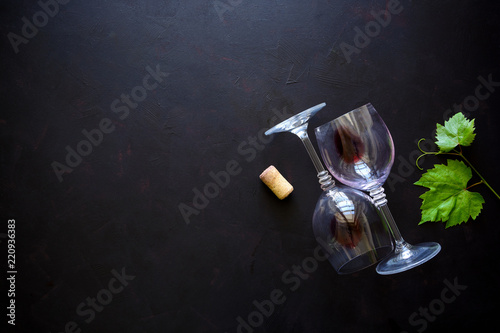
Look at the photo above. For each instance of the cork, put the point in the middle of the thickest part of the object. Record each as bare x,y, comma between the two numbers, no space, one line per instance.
276,182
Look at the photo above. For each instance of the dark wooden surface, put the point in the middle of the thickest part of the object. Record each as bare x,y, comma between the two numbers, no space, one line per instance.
172,93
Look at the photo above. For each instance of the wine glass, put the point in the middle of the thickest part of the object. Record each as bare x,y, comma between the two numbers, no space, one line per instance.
358,150
345,222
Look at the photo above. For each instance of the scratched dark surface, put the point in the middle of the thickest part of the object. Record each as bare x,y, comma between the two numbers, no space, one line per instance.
224,72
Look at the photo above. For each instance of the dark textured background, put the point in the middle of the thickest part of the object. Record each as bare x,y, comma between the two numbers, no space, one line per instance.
228,75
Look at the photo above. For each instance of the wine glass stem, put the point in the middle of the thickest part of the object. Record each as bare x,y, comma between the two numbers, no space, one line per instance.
325,179
380,202
384,209
310,150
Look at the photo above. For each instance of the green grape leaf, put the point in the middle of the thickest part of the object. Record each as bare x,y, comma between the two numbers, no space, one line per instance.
457,130
448,199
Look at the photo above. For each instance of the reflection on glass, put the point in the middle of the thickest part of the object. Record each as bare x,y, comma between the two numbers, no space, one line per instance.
363,170
345,226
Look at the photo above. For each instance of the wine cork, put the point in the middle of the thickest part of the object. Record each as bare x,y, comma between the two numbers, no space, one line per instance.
276,182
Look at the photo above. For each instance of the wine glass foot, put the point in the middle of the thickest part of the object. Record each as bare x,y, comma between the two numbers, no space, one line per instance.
297,123
408,256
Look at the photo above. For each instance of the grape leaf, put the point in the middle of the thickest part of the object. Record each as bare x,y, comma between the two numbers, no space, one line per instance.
457,130
448,199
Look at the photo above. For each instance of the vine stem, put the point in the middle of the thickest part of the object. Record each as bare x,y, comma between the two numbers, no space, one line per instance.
479,182
484,181
456,153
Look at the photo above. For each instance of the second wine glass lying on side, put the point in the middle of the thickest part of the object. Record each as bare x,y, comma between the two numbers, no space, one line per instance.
345,222
358,150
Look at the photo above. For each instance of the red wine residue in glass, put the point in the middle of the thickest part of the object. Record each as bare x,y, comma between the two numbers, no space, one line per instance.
347,234
349,145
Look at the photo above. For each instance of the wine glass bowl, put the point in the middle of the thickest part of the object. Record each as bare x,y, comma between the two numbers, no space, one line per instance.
347,225
357,148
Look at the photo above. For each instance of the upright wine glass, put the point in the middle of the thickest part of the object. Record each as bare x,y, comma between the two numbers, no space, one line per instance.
358,150
345,222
